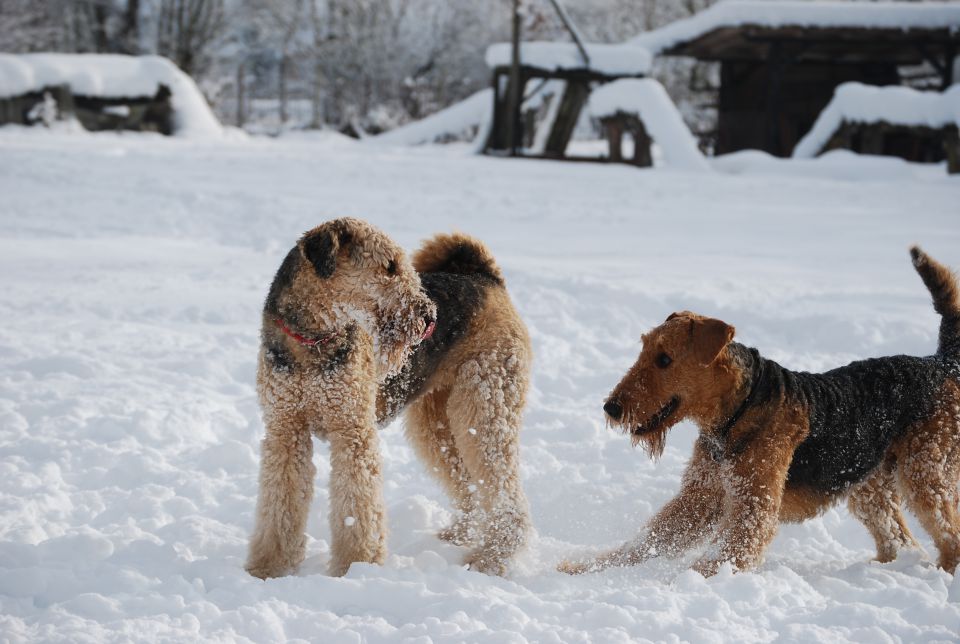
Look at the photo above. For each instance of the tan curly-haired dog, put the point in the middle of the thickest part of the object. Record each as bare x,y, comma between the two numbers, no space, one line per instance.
353,333
782,446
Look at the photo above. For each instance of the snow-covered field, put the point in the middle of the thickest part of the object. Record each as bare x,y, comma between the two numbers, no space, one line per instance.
132,271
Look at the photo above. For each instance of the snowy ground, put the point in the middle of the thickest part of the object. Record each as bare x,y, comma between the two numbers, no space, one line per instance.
132,270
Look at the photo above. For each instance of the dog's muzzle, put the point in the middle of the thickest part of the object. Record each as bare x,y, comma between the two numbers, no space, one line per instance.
658,418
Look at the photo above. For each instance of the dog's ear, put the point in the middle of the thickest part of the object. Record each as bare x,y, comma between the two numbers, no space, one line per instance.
320,247
678,314
709,337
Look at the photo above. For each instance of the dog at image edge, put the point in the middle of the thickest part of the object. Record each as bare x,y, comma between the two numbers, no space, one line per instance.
782,446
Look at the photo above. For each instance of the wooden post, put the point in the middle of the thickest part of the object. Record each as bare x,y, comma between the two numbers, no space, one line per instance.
513,86
951,144
240,91
642,156
949,55
283,89
571,103
613,127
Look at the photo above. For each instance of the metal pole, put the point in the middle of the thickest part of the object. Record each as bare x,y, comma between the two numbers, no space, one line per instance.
513,85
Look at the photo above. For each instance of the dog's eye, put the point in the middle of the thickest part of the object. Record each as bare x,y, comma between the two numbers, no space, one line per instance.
392,268
663,361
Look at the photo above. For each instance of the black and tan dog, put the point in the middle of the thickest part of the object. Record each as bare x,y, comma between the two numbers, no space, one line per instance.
353,333
781,446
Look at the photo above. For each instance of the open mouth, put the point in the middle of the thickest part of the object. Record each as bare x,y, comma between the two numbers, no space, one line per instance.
658,418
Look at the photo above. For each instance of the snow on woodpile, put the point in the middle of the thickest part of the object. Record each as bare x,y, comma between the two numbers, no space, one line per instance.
648,99
801,13
453,121
613,60
112,76
859,103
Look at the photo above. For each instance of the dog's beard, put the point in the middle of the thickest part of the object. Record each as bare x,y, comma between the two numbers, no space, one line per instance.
395,340
651,430
653,442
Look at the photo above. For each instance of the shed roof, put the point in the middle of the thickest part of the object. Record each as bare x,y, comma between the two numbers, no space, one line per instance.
605,59
823,31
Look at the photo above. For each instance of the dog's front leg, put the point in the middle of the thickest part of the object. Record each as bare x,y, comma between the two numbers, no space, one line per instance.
286,489
680,525
754,482
357,515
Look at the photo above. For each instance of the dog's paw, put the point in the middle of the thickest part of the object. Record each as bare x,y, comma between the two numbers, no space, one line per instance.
458,533
574,567
707,567
484,562
265,570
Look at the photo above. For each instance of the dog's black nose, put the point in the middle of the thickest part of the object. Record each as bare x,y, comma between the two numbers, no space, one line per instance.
613,409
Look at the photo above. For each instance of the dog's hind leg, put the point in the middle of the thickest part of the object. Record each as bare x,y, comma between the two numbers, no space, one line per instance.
428,430
286,488
929,466
484,409
876,503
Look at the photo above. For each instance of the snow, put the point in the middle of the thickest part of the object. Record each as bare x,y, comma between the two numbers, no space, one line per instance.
646,98
112,76
130,298
613,60
473,111
856,102
804,13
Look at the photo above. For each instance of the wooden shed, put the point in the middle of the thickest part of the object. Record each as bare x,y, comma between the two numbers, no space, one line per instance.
780,61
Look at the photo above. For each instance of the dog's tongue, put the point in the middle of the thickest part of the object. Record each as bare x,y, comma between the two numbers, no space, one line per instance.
429,331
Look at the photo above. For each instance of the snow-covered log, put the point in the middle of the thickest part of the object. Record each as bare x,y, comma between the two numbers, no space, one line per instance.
109,80
855,105
609,60
646,99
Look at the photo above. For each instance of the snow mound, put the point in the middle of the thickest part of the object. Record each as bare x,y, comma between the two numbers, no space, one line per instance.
783,13
896,105
473,111
112,76
648,99
613,60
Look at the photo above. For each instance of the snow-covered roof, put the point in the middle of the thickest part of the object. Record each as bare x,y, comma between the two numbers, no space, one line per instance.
802,13
111,76
856,102
611,60
648,99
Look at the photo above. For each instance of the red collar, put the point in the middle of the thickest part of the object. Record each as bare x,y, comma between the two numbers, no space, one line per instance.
302,339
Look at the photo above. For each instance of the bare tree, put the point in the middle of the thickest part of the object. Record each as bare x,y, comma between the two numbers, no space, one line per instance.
188,31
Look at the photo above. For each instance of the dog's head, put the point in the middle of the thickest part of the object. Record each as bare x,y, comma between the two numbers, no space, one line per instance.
354,273
682,372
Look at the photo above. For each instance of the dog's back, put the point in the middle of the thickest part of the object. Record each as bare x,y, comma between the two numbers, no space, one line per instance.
457,272
857,411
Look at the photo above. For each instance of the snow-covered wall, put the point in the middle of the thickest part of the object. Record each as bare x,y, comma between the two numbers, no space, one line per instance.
112,76
551,56
804,13
648,99
861,103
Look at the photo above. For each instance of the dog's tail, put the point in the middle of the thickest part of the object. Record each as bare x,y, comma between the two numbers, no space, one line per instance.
946,299
456,253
